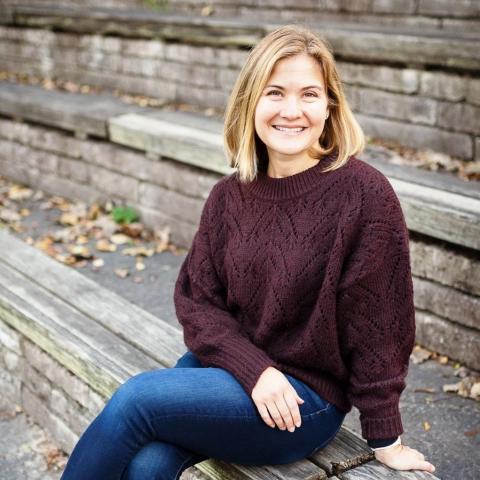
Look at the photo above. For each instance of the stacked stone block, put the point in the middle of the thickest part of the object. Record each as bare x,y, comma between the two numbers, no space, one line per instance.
414,107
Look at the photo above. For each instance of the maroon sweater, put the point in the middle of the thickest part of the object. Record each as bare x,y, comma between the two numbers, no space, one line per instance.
310,274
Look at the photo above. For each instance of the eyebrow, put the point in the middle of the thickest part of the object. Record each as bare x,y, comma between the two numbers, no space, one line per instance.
304,88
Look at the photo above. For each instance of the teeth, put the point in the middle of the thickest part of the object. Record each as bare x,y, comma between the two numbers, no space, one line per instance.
284,129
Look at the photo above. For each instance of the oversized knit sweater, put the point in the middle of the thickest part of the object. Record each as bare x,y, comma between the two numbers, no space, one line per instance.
310,274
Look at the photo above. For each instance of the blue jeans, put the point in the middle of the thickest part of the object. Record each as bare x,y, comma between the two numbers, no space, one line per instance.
160,422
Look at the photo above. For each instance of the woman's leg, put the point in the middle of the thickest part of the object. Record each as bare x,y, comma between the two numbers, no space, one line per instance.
202,410
159,460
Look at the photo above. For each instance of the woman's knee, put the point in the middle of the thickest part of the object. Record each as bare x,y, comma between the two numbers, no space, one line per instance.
132,393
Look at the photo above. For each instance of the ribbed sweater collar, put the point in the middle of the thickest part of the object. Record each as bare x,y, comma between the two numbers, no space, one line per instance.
271,188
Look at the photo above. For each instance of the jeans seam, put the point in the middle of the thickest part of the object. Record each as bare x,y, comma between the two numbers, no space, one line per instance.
308,415
328,407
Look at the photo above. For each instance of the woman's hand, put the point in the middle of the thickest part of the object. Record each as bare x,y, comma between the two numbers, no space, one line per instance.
276,400
401,457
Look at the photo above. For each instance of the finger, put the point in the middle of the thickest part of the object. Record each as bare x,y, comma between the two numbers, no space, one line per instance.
275,414
426,466
262,410
284,410
290,398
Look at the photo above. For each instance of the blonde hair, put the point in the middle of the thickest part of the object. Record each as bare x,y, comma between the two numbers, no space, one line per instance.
342,135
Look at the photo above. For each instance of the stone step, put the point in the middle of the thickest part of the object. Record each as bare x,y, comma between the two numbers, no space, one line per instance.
350,41
96,335
440,206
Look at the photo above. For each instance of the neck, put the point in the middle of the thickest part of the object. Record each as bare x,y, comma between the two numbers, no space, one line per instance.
286,168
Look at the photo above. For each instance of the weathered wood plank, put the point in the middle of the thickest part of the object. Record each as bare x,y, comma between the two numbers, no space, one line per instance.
346,451
217,470
183,143
74,355
159,340
378,471
439,180
82,114
444,215
68,318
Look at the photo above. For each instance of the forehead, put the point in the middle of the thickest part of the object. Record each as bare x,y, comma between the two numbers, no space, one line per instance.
297,69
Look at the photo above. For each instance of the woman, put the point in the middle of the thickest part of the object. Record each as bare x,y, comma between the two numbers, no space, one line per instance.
296,296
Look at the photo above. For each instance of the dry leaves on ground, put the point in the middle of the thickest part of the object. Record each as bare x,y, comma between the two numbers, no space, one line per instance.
83,230
468,386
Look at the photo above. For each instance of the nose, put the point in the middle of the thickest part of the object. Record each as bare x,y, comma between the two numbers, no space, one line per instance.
291,108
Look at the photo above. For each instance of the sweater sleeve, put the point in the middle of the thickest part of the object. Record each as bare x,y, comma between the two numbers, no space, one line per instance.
210,330
377,317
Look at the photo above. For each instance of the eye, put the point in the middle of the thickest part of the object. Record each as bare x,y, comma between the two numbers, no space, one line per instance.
274,92
311,94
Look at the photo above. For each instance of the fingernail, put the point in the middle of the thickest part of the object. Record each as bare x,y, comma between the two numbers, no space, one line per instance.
291,429
298,424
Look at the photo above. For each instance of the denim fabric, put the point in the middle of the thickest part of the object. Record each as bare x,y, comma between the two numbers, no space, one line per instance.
160,422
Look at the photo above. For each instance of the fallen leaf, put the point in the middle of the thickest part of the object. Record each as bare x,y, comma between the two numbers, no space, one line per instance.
104,245
451,387
17,227
122,272
93,211
426,426
106,225
136,251
98,263
133,230
66,259
138,279
79,251
425,390
9,216
475,391
19,192
443,359
68,218
139,266
419,354
80,264
81,240
24,212
120,239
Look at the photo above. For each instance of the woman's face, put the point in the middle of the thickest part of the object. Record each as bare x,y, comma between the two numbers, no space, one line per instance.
290,114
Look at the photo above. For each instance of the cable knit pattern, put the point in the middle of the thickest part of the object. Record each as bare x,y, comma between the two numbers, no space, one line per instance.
310,274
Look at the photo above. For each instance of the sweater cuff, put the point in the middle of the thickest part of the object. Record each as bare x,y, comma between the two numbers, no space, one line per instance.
381,427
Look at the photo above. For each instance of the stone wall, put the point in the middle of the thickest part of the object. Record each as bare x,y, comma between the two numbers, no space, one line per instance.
58,400
415,107
166,192
445,15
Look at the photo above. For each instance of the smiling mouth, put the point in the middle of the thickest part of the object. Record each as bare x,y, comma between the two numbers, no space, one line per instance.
289,130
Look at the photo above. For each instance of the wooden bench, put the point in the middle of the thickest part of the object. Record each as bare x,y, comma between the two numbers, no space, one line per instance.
92,339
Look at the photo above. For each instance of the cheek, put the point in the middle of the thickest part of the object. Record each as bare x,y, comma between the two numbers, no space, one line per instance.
264,112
